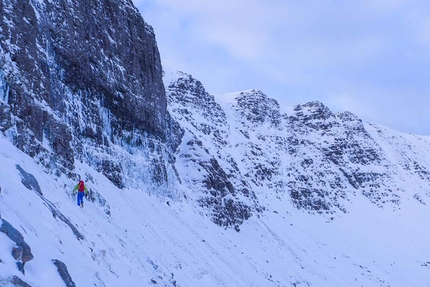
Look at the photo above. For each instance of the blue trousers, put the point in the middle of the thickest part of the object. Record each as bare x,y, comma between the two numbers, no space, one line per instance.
80,197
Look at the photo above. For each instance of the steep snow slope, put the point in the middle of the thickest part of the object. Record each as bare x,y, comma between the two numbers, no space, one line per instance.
147,241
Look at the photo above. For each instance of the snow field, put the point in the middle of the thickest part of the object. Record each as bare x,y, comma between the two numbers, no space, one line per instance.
151,239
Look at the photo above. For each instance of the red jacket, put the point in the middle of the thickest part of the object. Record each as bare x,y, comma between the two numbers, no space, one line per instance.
79,189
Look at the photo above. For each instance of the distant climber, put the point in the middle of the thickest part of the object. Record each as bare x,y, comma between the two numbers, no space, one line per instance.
82,190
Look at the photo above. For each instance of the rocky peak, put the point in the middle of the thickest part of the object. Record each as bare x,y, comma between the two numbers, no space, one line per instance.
185,88
189,92
354,123
314,115
257,108
189,101
205,148
348,117
314,109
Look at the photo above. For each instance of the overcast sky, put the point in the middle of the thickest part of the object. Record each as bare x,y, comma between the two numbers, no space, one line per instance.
369,57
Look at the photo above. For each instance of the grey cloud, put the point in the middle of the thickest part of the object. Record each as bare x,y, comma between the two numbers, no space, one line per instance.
374,51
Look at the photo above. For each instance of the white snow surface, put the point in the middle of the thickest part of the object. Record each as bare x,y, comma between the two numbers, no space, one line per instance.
148,241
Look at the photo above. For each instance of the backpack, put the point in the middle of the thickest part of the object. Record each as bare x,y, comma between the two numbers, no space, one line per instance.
81,186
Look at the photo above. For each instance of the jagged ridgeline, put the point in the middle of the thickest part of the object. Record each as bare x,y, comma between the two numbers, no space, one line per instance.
250,154
82,81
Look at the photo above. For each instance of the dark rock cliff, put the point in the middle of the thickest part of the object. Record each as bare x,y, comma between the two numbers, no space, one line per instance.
82,80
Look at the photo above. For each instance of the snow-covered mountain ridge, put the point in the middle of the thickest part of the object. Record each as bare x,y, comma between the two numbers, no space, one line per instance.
317,160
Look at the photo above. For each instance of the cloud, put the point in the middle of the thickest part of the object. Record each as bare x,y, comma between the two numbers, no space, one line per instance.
368,51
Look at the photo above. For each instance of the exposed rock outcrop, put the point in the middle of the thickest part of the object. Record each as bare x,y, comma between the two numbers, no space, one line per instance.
18,282
22,251
64,273
83,81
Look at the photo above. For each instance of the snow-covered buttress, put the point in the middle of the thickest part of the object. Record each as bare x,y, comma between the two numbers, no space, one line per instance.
82,80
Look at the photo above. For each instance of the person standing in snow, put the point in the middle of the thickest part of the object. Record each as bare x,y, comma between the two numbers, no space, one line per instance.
82,190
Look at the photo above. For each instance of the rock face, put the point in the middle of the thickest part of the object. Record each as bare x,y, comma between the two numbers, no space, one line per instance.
17,282
22,251
204,166
83,81
333,157
244,150
64,273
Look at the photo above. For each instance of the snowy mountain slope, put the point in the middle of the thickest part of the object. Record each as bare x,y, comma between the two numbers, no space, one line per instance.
345,159
246,159
307,198
315,159
409,154
147,241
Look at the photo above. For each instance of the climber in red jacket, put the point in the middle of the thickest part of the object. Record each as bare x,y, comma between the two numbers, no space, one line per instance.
82,190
